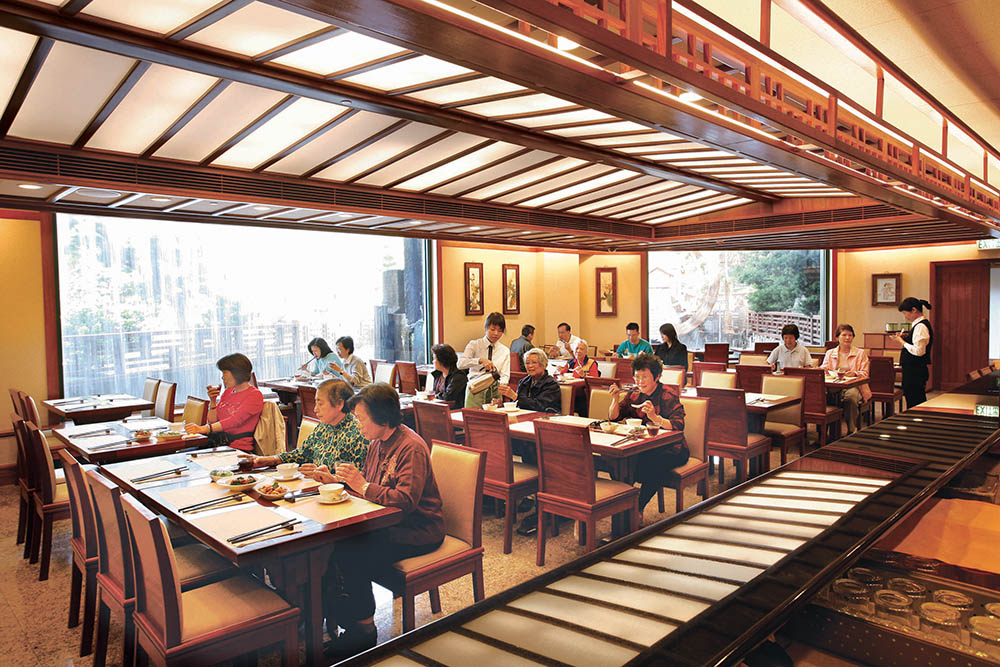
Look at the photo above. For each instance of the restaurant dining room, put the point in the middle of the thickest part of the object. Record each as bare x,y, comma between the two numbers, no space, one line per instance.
513,332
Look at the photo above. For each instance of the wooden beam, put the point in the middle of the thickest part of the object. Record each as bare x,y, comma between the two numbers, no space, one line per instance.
74,7
207,18
373,65
256,124
123,89
23,85
765,22
186,117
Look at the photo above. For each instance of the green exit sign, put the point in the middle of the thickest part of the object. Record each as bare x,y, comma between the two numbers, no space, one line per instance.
988,244
987,411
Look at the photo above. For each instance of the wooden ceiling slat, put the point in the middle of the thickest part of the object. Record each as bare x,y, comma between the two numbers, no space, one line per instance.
207,18
31,69
316,37
577,195
621,196
315,134
563,186
497,97
668,207
230,209
61,194
181,204
192,111
512,188
541,112
488,165
512,174
361,145
282,104
375,64
458,78
434,165
74,7
399,156
123,89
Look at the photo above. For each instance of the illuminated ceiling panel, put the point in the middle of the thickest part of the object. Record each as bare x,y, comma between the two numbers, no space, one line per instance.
159,98
348,133
342,51
256,28
600,128
235,108
16,50
462,165
70,89
411,72
290,125
575,176
653,148
482,176
528,177
591,184
440,150
686,203
630,185
581,116
466,90
517,105
159,16
650,203
648,138
395,143
739,201
629,197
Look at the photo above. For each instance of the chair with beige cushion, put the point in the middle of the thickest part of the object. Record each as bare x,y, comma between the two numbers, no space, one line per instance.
50,499
695,471
406,375
83,545
565,399
307,396
599,404
749,376
699,367
165,395
753,359
149,389
816,411
727,435
307,426
568,486
203,625
718,379
459,472
716,353
433,422
606,369
383,371
674,375
506,480
784,425
196,564
195,411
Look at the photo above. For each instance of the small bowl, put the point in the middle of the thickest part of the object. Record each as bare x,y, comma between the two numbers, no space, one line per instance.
510,405
221,473
633,423
608,427
142,436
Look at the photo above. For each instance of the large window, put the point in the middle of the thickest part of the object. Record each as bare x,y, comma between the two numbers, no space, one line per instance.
145,298
737,297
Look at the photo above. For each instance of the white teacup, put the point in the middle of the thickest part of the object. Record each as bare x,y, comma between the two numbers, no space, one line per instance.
489,407
607,427
510,405
331,493
632,423
287,470
421,395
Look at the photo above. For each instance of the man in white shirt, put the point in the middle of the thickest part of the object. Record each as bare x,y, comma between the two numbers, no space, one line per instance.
567,342
789,354
486,355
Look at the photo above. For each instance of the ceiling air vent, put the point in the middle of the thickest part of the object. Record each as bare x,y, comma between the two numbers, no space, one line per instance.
178,178
16,159
87,167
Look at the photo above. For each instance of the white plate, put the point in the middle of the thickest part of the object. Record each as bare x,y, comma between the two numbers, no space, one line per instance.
294,477
508,410
324,501
270,496
227,481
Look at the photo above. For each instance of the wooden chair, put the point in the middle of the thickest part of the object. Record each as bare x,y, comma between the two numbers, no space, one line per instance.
623,370
383,371
50,500
433,422
149,389
830,344
305,428
29,409
307,395
83,544
406,376
515,363
165,395
695,471
882,382
195,411
972,375
717,353
253,379
748,359
506,480
16,400
459,473
784,426
515,379
764,347
598,396
719,379
607,369
203,625
565,399
700,367
196,565
816,411
727,433
568,486
674,375
24,486
749,377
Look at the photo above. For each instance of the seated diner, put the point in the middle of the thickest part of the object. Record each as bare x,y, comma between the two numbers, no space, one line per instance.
633,345
322,357
789,353
537,391
233,416
353,369
582,365
849,361
449,380
671,351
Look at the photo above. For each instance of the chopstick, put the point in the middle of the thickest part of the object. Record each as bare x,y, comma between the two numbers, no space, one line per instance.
262,531
66,401
164,473
620,441
213,501
108,445
80,407
92,434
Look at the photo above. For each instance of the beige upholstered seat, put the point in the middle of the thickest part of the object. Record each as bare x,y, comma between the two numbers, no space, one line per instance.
226,604
673,375
565,399
83,545
165,395
195,411
720,380
307,426
524,471
149,389
50,500
600,403
607,488
695,471
753,359
450,547
784,426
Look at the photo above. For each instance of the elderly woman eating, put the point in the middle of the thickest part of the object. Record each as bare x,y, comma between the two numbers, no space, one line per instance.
396,473
233,416
539,390
582,365
337,437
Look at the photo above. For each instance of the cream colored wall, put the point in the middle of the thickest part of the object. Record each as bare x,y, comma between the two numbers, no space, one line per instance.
606,331
22,334
854,279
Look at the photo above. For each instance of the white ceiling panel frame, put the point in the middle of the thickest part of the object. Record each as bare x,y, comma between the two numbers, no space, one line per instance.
395,143
736,170
556,119
255,29
626,197
646,203
739,201
452,93
651,137
405,167
692,201
616,127
526,178
410,72
731,162
478,161
344,51
591,185
680,196
644,149
627,187
159,16
334,142
582,173
539,102
482,177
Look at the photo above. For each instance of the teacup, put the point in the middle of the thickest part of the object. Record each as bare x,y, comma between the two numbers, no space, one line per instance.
607,427
653,430
287,470
510,405
421,395
489,407
331,493
632,423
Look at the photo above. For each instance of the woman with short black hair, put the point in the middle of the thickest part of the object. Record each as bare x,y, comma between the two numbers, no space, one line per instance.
671,351
449,380
322,356
916,354
234,418
352,368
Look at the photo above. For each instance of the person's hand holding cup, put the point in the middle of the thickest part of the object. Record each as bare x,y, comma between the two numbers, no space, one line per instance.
351,476
213,392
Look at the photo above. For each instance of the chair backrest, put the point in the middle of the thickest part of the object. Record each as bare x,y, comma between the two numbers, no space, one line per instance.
81,506
305,428
814,398
165,395
717,353
565,461
459,472
307,394
406,373
623,369
748,376
892,354
727,416
114,544
881,375
785,385
157,589
830,343
490,432
765,347
195,411
607,369
515,363
15,398
718,379
29,409
253,379
700,367
515,379
971,375
40,459
674,375
695,424
565,399
149,389
591,351
384,371
24,475
598,404
433,422
985,370
753,359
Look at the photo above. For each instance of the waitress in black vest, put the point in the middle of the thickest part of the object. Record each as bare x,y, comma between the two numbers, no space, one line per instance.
916,354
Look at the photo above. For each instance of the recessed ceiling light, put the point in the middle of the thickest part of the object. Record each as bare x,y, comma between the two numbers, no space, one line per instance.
525,232
262,208
29,186
608,240
160,199
98,194
474,229
565,44
689,96
343,215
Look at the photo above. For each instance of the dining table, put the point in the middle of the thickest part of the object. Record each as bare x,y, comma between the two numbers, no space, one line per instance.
758,406
105,442
96,407
300,535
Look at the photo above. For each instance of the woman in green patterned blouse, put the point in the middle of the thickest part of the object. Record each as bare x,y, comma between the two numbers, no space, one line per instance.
336,438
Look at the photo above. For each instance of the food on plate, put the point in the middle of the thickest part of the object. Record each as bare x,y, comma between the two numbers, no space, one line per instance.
242,479
272,489
141,434
170,435
220,473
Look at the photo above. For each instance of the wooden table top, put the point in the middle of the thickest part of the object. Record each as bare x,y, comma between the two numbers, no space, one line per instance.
109,441
756,403
846,383
96,408
612,445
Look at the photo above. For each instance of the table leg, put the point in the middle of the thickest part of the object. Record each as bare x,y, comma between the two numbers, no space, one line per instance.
621,470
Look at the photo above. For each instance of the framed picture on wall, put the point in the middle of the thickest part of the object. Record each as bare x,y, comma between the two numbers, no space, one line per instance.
886,289
473,288
607,292
511,289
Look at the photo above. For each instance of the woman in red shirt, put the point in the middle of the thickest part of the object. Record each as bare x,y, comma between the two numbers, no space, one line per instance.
582,365
232,417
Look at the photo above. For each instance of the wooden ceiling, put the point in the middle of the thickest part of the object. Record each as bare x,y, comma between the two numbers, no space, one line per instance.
291,113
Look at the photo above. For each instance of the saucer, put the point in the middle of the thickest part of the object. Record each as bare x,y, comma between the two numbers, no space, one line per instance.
297,475
323,501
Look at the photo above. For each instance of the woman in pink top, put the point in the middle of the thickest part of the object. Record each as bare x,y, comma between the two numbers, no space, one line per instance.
853,361
233,419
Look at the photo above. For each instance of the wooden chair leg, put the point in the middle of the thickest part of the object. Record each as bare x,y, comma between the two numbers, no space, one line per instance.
89,612
290,652
478,582
659,500
75,587
581,532
508,528
22,520
679,499
409,615
141,657
591,542
43,570
101,649
31,548
703,487
722,473
784,451
129,648
555,524
802,444
435,596
542,525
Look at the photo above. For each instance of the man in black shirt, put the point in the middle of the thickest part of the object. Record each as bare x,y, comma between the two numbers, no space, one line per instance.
538,391
523,344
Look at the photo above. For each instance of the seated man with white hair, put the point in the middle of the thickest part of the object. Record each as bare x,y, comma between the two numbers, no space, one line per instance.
582,365
538,390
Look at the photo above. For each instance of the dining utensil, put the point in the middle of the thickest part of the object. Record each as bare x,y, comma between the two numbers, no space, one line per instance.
621,440
164,473
292,496
108,445
80,407
92,434
243,537
67,401
213,501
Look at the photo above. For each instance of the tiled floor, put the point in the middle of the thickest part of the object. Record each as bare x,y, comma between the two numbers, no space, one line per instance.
33,614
